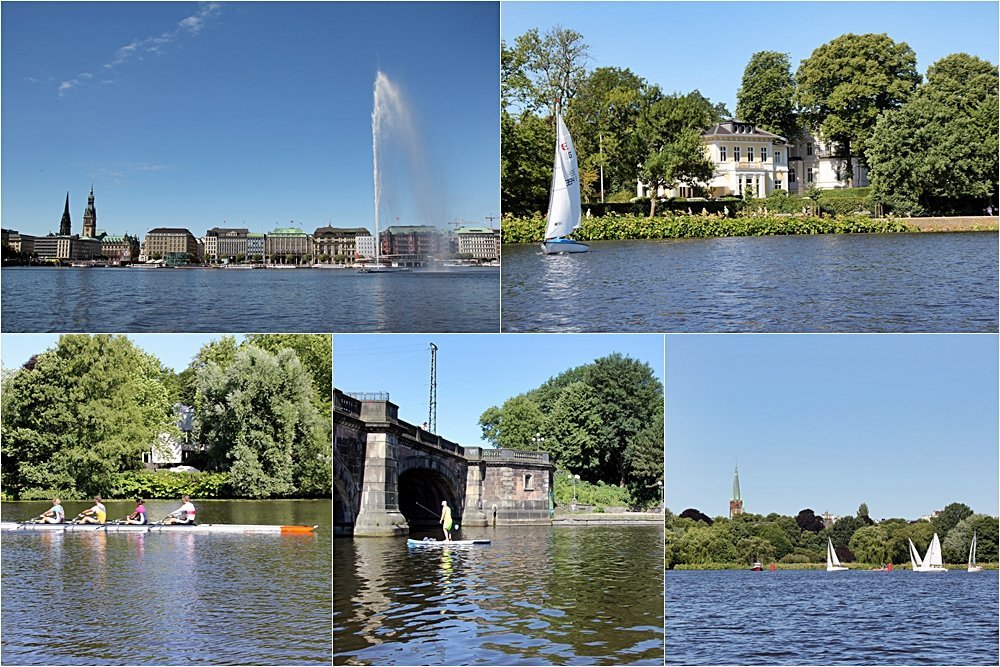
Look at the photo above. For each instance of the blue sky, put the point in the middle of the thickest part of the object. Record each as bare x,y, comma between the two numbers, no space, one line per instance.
905,423
242,114
474,371
683,46
173,350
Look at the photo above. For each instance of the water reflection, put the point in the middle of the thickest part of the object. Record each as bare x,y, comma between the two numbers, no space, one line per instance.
536,595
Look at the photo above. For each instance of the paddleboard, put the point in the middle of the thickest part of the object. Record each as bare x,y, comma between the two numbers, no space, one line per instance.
443,543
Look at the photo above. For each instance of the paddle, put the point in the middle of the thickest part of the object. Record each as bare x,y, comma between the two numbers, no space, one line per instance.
454,527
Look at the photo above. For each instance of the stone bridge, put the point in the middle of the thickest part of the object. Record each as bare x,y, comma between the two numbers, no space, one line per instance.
390,476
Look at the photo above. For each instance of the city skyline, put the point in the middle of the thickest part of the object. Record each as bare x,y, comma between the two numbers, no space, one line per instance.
905,423
711,51
257,115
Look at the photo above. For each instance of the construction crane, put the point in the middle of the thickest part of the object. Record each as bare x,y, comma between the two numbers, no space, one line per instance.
432,407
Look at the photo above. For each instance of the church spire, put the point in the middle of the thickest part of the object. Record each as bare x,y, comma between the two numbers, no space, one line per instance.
90,216
65,226
736,501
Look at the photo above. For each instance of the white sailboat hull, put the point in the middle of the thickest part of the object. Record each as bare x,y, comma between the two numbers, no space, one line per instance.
832,562
558,246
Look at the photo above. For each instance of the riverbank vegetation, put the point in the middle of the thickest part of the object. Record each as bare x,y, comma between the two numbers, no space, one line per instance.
680,225
862,93
253,418
695,541
602,421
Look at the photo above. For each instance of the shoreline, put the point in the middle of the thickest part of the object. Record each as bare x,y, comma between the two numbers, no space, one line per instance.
789,567
608,519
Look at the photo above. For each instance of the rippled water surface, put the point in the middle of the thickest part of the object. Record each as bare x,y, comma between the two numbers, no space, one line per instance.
865,282
537,595
838,618
218,301
168,598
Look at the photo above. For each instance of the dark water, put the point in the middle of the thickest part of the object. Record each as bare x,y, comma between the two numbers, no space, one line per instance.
829,283
168,598
831,618
229,301
537,595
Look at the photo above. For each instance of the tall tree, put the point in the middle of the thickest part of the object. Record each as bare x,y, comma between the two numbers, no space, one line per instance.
939,152
315,351
766,96
79,413
572,431
258,420
846,84
547,67
527,146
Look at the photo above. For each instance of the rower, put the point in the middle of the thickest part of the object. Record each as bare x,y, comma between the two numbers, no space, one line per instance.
139,515
96,514
183,514
54,515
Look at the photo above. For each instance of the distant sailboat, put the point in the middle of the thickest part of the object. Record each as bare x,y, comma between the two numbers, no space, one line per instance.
832,562
915,561
932,559
564,197
972,556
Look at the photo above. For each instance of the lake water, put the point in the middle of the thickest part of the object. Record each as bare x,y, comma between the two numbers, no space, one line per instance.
92,300
169,598
840,618
536,596
826,283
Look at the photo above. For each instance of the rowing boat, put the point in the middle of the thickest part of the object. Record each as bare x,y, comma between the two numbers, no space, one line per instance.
444,543
155,528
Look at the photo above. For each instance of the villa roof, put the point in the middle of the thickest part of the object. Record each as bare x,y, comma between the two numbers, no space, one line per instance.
288,231
168,230
740,128
474,230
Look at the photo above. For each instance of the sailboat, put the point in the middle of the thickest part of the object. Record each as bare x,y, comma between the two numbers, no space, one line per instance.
832,562
915,561
972,556
932,559
564,197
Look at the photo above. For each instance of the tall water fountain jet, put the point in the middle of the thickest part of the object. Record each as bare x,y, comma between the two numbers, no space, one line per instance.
392,125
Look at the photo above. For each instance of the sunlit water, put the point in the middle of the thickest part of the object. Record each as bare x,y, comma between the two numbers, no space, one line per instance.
222,301
169,598
837,618
537,595
826,283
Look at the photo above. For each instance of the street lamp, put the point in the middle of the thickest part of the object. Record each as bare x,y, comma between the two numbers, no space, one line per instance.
663,499
537,440
574,479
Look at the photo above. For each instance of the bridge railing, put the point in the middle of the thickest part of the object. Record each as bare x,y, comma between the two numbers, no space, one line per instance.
420,435
486,454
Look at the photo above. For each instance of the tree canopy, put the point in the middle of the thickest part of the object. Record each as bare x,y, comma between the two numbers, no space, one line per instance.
602,421
766,96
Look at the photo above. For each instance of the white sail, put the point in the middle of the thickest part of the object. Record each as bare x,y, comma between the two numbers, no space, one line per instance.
915,561
972,556
564,197
832,562
933,557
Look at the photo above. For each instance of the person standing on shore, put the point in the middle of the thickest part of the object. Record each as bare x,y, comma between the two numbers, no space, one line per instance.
445,521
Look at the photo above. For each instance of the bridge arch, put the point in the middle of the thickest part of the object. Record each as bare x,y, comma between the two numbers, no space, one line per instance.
425,481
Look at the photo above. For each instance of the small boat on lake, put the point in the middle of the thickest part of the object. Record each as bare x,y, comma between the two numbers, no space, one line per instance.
563,216
757,566
444,543
931,561
832,562
153,528
972,556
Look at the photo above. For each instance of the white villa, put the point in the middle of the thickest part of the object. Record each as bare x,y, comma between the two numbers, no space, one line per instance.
746,156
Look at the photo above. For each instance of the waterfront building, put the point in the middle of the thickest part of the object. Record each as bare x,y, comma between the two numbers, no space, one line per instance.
481,243
255,246
411,242
225,243
18,242
364,243
736,500
287,241
71,248
811,162
170,243
65,224
334,241
121,248
90,216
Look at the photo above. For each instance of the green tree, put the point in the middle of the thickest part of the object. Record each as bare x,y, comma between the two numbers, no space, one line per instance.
766,96
572,431
955,547
527,146
513,425
644,464
870,544
939,152
843,529
776,537
258,420
949,518
847,83
79,413
315,351
547,69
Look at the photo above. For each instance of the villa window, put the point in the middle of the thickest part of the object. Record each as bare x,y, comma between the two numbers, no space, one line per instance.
809,149
763,153
791,175
722,153
528,483
736,153
777,185
749,153
777,157
809,175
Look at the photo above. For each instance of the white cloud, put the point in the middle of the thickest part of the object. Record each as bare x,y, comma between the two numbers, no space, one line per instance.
156,44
